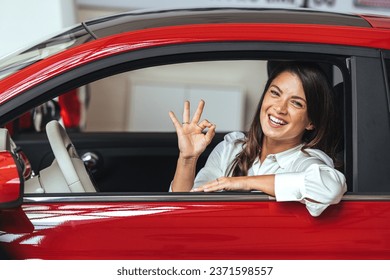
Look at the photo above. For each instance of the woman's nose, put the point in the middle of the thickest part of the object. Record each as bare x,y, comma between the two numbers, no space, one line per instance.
281,107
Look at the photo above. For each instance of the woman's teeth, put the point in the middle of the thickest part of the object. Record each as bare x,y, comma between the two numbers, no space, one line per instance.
276,120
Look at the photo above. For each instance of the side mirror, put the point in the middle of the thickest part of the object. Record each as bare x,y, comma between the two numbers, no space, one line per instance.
11,181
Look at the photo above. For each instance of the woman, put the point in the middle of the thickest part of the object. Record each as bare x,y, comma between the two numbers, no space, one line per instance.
287,153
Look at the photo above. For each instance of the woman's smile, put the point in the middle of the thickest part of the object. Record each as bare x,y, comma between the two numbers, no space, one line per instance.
276,121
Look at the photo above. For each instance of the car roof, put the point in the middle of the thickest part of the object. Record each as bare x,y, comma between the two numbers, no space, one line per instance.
138,20
377,21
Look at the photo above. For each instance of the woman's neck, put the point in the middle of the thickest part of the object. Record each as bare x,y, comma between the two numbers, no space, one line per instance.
270,146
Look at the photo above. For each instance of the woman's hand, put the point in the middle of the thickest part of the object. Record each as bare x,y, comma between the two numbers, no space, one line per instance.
192,140
263,183
225,184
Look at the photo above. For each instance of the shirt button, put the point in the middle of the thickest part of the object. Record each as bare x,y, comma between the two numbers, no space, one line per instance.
271,157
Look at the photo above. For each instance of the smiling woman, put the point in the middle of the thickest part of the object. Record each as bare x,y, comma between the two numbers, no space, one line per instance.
287,153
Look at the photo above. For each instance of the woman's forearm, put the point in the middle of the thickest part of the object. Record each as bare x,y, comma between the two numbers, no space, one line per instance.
184,175
264,183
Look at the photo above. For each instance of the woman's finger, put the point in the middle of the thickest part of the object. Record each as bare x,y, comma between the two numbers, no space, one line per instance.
186,112
175,121
204,124
212,186
210,133
198,112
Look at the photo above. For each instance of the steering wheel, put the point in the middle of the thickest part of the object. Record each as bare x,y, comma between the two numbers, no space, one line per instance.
72,167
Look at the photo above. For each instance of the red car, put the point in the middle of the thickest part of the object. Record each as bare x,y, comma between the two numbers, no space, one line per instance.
122,74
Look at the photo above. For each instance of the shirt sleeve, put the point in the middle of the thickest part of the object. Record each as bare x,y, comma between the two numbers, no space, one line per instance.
219,160
317,185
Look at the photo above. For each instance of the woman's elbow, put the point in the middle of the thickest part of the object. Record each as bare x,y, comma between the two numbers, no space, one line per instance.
329,189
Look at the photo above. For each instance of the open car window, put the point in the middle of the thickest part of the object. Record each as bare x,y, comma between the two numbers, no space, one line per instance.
120,126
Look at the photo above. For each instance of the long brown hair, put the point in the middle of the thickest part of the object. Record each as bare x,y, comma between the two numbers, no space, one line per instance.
320,110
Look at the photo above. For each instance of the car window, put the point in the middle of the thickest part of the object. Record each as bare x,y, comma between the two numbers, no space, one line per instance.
120,124
139,100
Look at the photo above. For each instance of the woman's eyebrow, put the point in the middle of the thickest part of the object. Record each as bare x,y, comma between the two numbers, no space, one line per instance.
298,97
276,88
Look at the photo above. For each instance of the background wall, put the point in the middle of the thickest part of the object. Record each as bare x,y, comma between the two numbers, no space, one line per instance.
240,84
24,22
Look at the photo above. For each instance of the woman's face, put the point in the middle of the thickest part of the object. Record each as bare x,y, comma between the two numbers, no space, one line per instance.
283,114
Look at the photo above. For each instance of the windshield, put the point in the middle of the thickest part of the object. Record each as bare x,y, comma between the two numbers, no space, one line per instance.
70,38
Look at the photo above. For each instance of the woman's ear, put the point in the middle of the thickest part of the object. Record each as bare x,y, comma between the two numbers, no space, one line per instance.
310,126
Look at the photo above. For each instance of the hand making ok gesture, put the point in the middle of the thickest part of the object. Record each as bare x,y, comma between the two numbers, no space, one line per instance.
192,139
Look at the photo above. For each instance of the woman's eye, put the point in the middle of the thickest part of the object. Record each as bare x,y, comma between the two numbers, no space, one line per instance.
297,104
274,93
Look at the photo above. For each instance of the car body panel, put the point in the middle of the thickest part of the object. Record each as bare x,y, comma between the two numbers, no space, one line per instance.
218,230
10,183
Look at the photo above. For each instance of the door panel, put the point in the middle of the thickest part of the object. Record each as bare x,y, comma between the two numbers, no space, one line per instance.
202,230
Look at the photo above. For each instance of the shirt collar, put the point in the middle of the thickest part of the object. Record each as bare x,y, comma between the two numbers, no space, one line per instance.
284,158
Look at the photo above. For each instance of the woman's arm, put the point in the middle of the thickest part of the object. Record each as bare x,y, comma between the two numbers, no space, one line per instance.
317,185
184,175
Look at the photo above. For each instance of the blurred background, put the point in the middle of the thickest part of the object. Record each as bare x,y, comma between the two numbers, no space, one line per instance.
23,22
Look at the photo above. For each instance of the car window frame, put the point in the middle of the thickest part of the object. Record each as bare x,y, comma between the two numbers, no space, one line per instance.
368,91
386,71
179,53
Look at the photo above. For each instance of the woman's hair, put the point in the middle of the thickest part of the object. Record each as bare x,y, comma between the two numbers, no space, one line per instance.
320,110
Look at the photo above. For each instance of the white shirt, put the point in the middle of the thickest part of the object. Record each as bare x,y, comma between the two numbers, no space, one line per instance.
299,176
